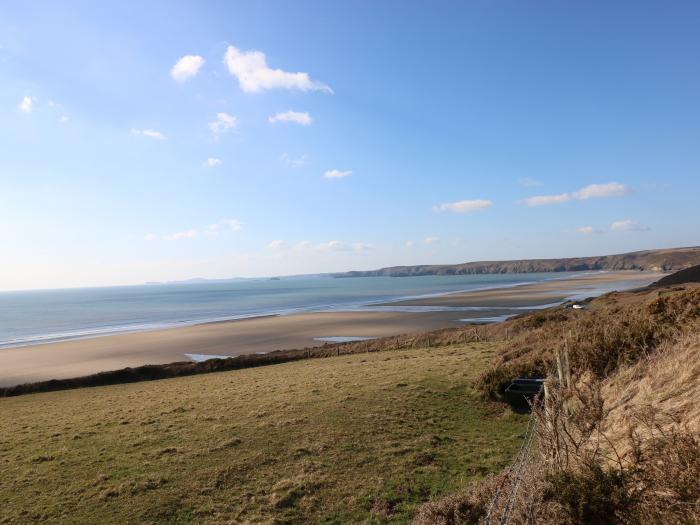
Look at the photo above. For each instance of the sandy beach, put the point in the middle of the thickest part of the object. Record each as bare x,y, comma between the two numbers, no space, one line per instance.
539,294
264,334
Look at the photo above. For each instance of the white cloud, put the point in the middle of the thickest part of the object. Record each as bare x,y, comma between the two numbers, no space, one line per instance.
26,104
410,244
212,230
148,133
186,68
254,75
302,246
223,123
329,246
64,119
629,226
224,224
541,200
337,174
592,191
295,162
333,246
277,244
588,230
150,237
361,246
611,189
298,117
212,162
431,240
529,182
467,206
188,234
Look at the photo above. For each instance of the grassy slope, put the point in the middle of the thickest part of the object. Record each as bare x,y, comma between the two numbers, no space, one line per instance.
343,439
622,445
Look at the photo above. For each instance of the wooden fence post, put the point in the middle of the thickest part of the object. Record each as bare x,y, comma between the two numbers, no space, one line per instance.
560,368
567,370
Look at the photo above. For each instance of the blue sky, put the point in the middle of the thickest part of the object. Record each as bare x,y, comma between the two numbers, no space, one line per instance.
303,137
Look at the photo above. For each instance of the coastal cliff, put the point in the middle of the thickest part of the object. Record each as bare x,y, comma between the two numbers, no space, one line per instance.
665,260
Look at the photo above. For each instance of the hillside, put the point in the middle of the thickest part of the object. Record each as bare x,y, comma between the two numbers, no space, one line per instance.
620,442
689,275
386,431
653,260
345,439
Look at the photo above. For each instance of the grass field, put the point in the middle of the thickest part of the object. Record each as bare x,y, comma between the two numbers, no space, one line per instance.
357,438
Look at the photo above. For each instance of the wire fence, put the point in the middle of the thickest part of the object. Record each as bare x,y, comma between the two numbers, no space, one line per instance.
513,475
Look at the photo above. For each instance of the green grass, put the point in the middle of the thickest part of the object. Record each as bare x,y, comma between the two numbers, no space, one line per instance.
358,438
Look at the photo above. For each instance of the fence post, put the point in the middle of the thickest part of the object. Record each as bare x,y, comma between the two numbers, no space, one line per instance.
567,370
560,367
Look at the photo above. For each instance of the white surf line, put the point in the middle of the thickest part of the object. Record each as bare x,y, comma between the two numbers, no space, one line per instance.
200,358
343,338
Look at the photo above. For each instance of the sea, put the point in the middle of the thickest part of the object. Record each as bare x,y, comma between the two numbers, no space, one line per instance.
44,316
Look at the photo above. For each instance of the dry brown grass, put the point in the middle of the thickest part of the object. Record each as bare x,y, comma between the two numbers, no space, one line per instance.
622,444
617,330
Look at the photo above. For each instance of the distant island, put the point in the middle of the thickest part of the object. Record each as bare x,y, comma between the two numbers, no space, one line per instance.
664,260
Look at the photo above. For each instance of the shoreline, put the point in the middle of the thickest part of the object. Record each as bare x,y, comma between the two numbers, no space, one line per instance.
397,304
264,334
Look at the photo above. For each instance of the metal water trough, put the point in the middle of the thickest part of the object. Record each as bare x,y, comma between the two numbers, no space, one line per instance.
523,390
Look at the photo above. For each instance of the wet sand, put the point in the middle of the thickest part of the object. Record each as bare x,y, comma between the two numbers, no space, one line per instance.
539,294
263,334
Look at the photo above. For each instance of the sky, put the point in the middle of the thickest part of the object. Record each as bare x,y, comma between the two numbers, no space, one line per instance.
155,141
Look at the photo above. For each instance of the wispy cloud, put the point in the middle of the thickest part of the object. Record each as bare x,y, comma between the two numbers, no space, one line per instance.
595,191
222,123
233,225
187,234
213,230
431,240
186,68
212,162
295,162
542,200
297,117
277,245
467,206
150,237
328,246
254,75
589,230
150,133
592,191
628,225
529,182
337,174
26,105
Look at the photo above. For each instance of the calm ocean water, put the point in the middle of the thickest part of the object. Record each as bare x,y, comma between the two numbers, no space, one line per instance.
32,317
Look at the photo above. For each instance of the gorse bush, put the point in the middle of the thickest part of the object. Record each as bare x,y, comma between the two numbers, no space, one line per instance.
590,495
608,335
617,446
